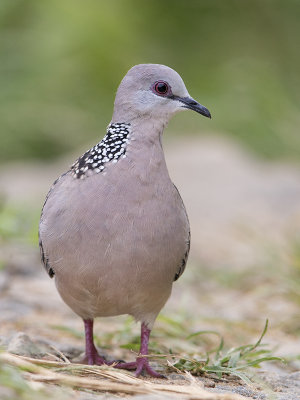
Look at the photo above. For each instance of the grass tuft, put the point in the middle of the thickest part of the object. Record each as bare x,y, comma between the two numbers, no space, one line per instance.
234,361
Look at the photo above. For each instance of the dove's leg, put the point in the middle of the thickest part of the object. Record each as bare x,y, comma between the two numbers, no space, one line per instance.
142,363
91,354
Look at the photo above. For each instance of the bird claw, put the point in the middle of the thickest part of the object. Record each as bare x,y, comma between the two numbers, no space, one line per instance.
141,365
94,359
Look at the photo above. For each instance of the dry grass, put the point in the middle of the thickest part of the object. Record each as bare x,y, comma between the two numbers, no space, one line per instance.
106,379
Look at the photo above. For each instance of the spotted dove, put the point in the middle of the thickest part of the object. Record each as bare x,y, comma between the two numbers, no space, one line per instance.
114,232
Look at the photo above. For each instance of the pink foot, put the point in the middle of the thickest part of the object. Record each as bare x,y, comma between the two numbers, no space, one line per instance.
94,359
140,365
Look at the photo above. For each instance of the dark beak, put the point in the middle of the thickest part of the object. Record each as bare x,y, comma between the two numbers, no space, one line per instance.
192,104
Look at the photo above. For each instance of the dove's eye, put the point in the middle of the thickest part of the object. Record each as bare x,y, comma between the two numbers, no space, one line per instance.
161,88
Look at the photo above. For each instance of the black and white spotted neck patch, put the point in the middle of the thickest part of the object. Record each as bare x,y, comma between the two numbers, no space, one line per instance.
111,148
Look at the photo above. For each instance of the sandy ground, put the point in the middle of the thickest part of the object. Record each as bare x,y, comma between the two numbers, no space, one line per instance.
245,219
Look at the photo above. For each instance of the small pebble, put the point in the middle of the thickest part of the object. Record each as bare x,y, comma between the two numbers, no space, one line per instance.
23,345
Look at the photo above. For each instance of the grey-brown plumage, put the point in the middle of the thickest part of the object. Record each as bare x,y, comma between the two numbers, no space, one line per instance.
114,231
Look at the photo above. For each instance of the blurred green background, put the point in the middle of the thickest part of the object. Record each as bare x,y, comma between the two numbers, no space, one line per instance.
62,60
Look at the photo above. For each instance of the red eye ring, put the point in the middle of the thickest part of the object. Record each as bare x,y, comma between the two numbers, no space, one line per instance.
161,88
